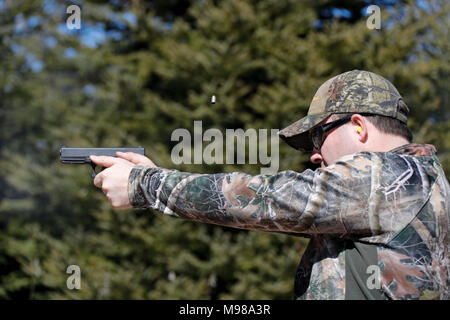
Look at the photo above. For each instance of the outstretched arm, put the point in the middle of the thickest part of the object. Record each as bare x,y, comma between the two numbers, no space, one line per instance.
341,200
333,200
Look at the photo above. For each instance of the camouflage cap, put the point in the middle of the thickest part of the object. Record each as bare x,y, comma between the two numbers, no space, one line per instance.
354,91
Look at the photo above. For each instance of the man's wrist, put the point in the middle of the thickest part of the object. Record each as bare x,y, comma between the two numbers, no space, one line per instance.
138,196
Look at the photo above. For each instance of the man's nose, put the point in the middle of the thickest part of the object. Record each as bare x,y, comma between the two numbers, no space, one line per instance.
316,157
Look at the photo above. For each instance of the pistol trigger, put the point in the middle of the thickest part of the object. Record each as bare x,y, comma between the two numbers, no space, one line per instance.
93,165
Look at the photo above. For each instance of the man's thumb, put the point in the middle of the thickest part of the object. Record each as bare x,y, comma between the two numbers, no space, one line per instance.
135,158
104,161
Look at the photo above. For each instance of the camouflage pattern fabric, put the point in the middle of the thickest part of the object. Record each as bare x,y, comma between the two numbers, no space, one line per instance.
354,91
396,201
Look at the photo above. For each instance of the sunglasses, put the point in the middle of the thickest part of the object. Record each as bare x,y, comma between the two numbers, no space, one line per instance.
317,134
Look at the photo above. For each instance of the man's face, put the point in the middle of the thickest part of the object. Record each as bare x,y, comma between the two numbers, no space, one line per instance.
337,143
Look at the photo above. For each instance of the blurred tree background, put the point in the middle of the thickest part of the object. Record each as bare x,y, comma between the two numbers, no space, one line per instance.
136,71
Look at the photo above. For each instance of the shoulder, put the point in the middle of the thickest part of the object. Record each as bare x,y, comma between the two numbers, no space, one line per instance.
395,186
386,167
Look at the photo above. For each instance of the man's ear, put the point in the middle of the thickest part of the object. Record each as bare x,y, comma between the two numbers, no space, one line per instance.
359,126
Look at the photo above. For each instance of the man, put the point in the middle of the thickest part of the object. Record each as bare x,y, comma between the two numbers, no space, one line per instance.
377,211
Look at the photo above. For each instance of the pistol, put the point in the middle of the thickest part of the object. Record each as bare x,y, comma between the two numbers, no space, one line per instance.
81,155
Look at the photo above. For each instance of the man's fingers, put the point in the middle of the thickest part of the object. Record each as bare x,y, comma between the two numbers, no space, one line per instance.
98,180
135,158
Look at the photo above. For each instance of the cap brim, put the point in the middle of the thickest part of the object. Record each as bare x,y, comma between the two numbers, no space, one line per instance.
296,135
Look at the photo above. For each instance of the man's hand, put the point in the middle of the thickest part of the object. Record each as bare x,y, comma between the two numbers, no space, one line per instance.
114,179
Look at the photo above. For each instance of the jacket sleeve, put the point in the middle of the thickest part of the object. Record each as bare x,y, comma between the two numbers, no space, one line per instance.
342,199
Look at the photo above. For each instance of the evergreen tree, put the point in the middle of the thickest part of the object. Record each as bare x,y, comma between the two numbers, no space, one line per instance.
134,73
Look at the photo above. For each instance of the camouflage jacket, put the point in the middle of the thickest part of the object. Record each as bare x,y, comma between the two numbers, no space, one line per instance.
378,221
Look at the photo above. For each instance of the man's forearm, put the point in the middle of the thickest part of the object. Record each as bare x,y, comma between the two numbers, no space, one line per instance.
231,199
145,185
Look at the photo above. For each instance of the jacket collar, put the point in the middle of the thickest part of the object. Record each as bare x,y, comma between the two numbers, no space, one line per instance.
414,149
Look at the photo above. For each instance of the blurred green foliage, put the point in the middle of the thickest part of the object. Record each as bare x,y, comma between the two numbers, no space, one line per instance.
138,70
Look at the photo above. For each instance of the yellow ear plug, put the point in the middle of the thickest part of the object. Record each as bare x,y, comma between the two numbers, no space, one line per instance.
359,129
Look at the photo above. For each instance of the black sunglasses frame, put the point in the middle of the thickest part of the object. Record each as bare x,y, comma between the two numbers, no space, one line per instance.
316,135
